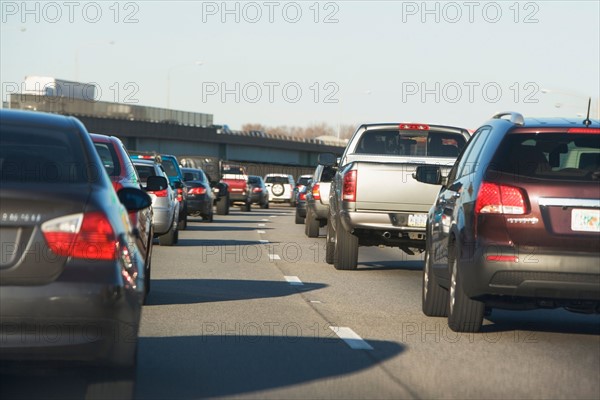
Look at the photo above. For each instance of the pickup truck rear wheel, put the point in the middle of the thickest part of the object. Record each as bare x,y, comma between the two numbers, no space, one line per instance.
312,224
435,297
329,244
464,313
346,249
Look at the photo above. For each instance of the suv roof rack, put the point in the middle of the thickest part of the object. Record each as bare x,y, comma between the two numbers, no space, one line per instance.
515,117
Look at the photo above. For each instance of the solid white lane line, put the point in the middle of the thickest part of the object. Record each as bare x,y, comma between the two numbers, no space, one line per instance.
274,257
351,338
260,232
293,280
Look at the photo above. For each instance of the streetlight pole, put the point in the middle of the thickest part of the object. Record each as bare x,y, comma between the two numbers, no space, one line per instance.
111,42
198,63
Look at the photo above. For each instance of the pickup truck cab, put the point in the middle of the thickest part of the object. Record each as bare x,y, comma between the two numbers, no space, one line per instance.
374,198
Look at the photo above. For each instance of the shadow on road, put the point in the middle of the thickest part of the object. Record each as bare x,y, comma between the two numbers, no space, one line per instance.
211,366
410,265
190,291
556,321
216,228
217,243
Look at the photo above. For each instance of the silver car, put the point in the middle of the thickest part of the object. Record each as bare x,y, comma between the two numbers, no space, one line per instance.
164,202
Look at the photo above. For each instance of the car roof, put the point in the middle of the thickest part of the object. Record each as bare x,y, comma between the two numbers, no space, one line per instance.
560,122
36,118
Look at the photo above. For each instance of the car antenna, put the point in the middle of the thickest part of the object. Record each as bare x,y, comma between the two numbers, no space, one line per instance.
587,122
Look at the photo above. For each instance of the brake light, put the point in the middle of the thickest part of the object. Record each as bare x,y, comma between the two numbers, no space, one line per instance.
88,236
349,188
257,190
585,131
117,185
160,193
302,195
197,190
316,192
500,199
413,127
179,194
502,258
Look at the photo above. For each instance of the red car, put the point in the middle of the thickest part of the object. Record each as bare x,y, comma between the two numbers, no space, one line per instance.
123,174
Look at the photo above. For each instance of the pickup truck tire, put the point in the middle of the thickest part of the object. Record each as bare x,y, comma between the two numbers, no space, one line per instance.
346,249
312,224
329,244
299,220
464,313
223,206
435,297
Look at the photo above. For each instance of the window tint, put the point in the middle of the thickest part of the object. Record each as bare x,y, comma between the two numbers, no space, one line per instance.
144,171
561,156
469,161
303,180
277,179
327,174
411,143
46,156
109,158
169,167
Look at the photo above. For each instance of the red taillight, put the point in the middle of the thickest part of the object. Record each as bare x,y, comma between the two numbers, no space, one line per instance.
302,195
197,190
349,189
413,127
257,190
160,193
500,199
88,236
179,194
502,258
316,192
585,131
117,186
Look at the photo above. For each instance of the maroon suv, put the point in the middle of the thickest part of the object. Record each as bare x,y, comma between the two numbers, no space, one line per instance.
122,174
517,222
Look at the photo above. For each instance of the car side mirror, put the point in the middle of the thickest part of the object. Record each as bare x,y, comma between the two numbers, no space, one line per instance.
430,174
327,159
134,199
156,183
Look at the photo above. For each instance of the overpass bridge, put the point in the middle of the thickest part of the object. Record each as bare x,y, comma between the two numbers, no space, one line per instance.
185,134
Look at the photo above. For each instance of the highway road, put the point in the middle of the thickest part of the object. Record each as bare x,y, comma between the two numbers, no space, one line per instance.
246,307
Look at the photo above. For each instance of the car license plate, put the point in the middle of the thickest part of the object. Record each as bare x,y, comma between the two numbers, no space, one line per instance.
417,220
585,220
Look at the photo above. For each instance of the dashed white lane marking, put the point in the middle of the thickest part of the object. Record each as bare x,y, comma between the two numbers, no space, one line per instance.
316,301
260,232
351,338
293,280
274,257
272,216
264,219
262,225
263,241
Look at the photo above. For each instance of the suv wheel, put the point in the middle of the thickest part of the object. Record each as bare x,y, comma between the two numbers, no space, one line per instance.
346,249
464,313
223,206
435,297
277,189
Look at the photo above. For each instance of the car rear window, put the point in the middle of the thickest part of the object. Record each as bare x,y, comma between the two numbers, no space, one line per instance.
144,171
411,143
277,179
169,166
303,180
563,156
109,158
40,155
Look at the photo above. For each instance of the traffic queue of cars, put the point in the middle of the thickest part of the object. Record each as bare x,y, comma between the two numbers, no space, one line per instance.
515,221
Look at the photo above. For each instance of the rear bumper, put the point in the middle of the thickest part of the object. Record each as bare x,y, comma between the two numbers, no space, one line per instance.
373,221
539,275
320,210
163,219
87,314
201,203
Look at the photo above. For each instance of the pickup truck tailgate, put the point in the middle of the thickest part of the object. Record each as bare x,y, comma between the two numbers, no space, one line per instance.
391,187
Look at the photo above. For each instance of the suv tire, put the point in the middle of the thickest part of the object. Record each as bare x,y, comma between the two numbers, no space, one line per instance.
329,244
464,313
346,249
312,224
277,189
434,297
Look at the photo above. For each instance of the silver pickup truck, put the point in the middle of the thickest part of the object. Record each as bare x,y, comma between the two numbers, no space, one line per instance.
374,198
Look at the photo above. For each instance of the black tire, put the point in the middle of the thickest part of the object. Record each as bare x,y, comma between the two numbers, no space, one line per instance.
312,224
169,238
223,206
464,313
434,297
346,249
247,206
182,225
265,204
330,244
111,383
299,220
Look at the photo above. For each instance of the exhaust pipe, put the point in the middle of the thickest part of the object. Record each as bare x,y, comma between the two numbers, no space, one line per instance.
387,235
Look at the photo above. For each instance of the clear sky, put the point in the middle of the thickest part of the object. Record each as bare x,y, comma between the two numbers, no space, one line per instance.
304,62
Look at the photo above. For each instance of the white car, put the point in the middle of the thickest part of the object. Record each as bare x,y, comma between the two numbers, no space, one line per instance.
281,188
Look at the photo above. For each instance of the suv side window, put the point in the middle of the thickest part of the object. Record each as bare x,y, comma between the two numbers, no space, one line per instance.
468,162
